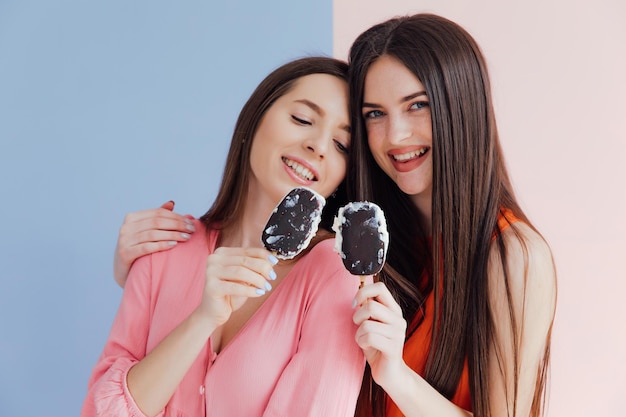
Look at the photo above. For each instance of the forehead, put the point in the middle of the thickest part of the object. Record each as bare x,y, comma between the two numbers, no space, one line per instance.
389,76
319,87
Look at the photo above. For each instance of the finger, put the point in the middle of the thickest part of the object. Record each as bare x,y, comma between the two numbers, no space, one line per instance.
243,275
380,293
375,340
373,310
155,236
222,268
256,259
234,289
169,205
385,330
158,222
138,216
131,253
373,329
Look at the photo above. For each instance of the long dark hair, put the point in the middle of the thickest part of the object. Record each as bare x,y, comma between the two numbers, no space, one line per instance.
229,203
470,187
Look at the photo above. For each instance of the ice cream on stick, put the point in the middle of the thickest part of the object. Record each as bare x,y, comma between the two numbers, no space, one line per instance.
293,223
361,238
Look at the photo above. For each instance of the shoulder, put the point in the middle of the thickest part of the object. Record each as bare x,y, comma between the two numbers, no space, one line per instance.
173,274
182,257
323,256
322,266
525,266
197,244
524,248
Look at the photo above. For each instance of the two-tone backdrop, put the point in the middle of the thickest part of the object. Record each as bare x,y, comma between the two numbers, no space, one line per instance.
112,107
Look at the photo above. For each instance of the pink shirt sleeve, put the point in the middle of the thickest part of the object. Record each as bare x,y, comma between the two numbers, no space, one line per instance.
324,377
107,392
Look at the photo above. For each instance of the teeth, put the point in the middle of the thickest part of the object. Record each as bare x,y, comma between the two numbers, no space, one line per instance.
410,155
302,171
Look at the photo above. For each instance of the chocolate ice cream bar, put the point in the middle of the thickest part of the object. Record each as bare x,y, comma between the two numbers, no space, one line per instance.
293,223
361,237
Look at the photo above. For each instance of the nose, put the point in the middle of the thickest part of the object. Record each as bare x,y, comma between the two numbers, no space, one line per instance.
318,144
398,129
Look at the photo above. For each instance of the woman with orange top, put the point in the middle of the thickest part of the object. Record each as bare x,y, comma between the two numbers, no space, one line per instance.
459,320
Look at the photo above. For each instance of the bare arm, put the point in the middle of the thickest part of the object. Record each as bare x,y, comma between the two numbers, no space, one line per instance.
533,289
381,335
532,281
148,231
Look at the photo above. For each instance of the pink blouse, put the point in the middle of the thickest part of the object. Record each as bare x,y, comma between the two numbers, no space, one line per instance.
296,356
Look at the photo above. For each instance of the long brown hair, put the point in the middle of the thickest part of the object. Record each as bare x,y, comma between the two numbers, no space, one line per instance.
229,203
470,187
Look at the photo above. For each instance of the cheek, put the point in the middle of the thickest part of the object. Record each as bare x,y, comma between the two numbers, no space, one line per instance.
340,168
335,173
375,140
375,135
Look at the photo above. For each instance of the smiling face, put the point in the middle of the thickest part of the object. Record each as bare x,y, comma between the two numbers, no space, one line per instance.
303,139
399,128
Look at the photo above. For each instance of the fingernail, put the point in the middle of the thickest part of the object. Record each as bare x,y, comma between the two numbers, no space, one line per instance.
268,286
260,291
191,227
171,201
172,243
272,275
354,303
185,235
188,221
273,259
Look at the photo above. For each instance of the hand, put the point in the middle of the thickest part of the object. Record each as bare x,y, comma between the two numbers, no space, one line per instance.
381,331
232,276
148,231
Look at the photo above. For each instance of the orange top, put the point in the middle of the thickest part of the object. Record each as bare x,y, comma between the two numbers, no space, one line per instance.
416,347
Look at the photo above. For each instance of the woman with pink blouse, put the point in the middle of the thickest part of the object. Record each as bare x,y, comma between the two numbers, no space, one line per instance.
218,326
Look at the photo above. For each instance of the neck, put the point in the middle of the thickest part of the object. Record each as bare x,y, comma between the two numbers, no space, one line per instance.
246,232
424,206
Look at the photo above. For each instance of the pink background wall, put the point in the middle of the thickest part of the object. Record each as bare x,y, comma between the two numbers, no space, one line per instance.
558,71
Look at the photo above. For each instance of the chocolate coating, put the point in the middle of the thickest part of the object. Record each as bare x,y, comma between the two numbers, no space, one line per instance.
293,223
361,237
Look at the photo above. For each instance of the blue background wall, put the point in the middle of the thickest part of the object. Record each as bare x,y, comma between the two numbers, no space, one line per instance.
106,108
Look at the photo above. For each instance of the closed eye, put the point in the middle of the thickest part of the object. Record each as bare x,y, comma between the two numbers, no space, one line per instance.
342,148
300,121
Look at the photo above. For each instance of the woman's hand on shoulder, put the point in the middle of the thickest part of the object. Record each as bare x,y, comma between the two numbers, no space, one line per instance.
381,331
232,276
148,231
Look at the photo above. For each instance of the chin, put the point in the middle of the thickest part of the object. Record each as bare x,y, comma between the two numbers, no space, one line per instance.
413,190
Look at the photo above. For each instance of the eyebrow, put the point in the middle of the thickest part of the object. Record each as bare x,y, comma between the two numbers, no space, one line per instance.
317,109
402,100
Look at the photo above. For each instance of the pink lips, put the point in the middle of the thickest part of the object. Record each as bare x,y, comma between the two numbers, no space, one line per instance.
409,164
295,176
